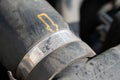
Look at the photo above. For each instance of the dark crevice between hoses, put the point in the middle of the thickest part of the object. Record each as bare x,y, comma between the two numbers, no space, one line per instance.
3,73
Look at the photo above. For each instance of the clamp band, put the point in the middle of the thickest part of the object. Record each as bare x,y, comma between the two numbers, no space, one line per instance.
43,49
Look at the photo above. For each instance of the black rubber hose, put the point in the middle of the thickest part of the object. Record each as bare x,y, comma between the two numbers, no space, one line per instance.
36,43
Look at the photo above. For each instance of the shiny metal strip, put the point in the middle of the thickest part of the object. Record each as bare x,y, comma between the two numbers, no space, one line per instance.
43,49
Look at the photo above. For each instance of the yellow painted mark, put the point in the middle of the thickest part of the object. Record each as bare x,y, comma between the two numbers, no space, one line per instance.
40,16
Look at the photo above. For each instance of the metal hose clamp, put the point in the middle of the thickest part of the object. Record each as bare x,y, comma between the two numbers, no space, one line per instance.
43,49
